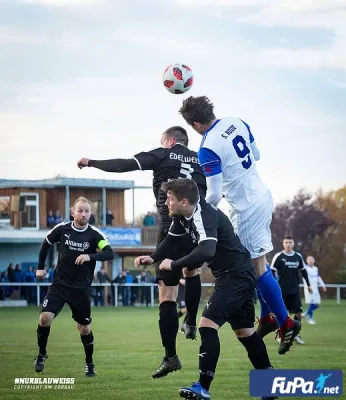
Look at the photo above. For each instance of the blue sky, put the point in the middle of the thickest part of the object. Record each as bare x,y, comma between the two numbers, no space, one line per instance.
83,79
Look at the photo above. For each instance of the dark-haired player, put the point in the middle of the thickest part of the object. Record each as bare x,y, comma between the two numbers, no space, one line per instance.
73,277
228,155
286,265
171,161
205,234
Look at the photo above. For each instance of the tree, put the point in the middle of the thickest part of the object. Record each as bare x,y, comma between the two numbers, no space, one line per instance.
330,249
301,218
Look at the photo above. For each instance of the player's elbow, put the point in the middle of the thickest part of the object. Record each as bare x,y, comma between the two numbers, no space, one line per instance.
109,254
209,250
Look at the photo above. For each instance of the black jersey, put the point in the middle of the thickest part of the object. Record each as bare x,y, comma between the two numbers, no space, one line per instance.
286,266
73,243
176,162
208,223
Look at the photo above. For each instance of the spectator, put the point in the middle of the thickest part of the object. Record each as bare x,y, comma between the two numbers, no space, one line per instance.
50,219
10,272
5,290
50,273
100,290
144,277
149,220
92,219
30,277
109,217
58,217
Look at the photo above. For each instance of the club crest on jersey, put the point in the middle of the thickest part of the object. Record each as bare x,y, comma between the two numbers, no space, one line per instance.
86,245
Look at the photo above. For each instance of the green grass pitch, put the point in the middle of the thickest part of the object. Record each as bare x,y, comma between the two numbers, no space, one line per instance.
128,350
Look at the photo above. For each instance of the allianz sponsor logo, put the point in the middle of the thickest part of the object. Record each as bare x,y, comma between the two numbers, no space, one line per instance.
77,245
284,386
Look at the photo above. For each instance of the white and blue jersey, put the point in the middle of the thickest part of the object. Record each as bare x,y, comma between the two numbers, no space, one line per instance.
228,148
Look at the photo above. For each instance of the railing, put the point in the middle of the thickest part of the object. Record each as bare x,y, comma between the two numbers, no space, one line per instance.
151,285
149,235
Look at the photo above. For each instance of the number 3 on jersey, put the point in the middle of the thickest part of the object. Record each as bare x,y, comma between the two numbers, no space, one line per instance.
186,171
242,151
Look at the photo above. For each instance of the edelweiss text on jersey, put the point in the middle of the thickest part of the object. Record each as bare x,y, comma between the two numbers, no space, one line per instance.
180,157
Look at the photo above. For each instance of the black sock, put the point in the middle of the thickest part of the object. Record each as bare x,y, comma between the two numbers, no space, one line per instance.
42,338
180,314
256,351
193,290
209,352
169,325
88,343
297,318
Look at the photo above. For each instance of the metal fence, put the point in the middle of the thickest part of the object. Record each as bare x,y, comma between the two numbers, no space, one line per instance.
38,285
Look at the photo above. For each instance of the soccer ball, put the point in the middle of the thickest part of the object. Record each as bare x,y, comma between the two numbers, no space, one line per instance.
178,78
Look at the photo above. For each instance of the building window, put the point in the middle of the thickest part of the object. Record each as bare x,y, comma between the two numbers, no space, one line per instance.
30,216
5,209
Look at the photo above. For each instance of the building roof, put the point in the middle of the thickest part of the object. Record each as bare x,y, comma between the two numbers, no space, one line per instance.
71,182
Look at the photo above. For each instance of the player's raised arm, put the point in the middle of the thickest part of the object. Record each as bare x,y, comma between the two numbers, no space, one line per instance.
113,165
144,161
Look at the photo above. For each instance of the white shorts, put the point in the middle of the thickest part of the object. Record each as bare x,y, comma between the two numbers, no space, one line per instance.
253,226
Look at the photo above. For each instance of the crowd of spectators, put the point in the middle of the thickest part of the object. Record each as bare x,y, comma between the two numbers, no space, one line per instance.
127,296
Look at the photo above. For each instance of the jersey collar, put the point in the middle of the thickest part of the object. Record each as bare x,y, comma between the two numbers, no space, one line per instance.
78,230
289,254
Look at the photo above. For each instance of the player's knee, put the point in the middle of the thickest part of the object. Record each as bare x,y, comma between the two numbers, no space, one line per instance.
83,329
190,274
167,293
207,323
244,332
46,318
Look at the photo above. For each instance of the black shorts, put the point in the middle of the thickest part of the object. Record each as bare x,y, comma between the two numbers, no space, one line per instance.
293,302
78,300
233,300
183,247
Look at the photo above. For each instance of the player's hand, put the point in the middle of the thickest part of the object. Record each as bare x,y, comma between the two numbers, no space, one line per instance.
166,265
82,259
182,282
41,273
310,289
324,289
82,163
143,260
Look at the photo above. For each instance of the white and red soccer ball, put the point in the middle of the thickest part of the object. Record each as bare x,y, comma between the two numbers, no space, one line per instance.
178,78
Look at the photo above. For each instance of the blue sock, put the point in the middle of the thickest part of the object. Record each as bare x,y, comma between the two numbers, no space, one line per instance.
310,310
314,307
272,295
264,307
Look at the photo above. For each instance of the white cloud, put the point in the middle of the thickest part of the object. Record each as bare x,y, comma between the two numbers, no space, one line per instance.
320,14
340,84
69,4
17,36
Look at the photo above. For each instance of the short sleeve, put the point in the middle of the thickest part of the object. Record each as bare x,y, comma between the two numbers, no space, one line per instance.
177,228
210,161
251,137
301,262
54,235
205,221
100,238
148,160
